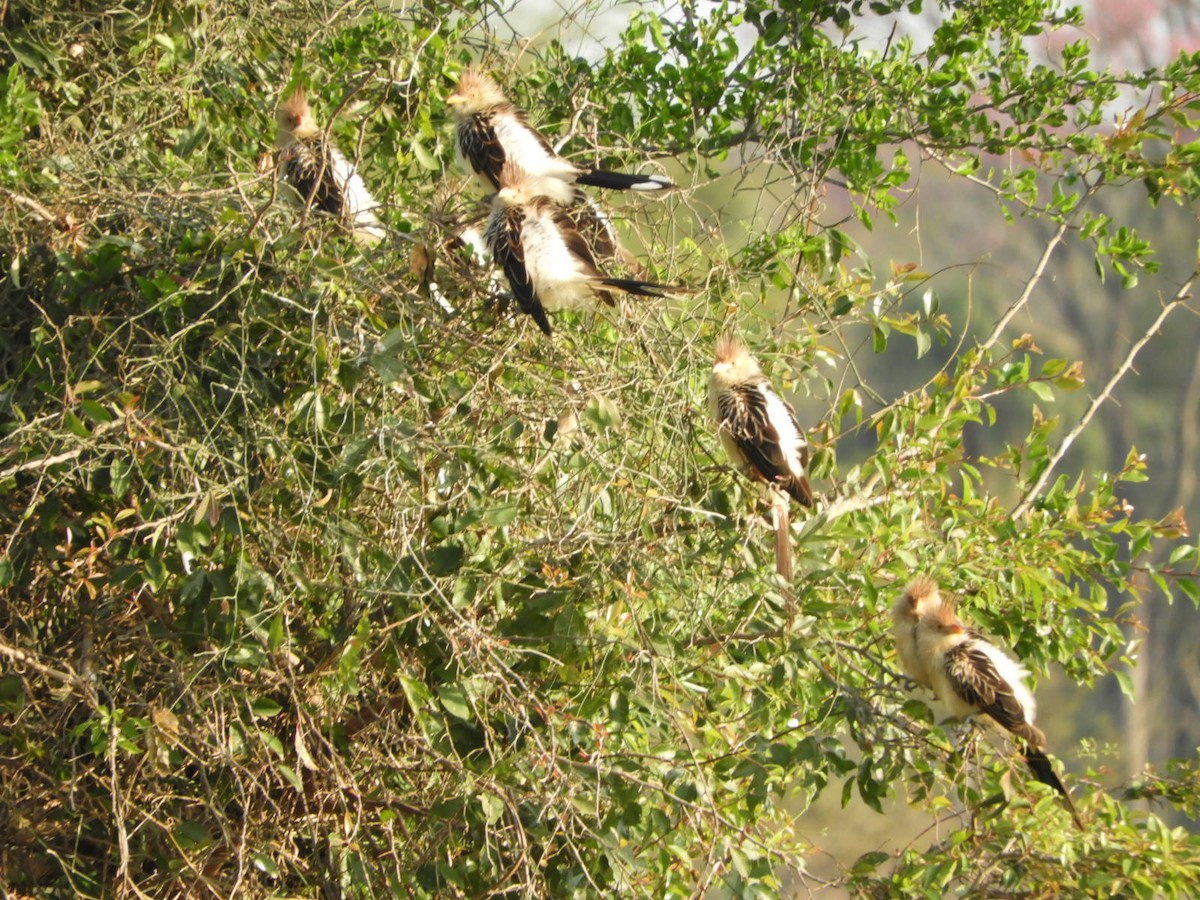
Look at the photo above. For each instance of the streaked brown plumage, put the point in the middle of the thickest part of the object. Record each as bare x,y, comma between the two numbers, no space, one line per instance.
757,428
969,674
549,265
491,131
322,177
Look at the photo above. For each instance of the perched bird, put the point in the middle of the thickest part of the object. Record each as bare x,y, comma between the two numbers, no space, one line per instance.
492,131
761,436
920,594
319,173
757,428
549,265
969,674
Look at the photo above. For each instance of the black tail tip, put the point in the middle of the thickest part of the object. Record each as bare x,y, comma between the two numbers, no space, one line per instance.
640,288
1044,772
801,491
620,181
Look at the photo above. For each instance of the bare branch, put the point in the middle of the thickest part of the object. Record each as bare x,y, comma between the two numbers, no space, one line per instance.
33,206
1181,296
1034,279
68,677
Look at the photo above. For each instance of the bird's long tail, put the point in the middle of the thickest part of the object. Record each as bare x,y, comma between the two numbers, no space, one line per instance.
619,181
783,535
538,312
800,489
1039,764
641,288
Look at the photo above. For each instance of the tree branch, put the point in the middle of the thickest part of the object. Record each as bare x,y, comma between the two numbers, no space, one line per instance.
1181,297
68,677
1032,283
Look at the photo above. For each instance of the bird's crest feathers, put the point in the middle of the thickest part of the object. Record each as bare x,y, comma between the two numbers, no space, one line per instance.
516,185
943,613
476,92
730,347
295,115
917,594
921,588
922,599
734,364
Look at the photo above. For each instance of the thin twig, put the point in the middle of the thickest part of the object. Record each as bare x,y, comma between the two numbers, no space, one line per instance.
68,677
1181,296
42,462
1034,279
33,206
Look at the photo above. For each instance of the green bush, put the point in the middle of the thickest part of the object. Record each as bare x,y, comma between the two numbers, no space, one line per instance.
314,586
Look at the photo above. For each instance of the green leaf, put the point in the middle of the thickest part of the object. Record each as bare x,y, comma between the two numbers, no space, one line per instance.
1053,368
289,775
1041,390
1126,684
868,862
75,424
1189,589
455,701
119,473
492,807
265,708
192,835
601,414
878,340
265,864
426,159
924,342
499,516
445,560
188,140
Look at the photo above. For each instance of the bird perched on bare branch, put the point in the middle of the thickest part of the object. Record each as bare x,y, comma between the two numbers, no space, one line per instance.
549,265
492,131
969,674
321,175
760,434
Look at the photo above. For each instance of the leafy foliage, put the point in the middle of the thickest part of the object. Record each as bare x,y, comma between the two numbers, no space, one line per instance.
311,583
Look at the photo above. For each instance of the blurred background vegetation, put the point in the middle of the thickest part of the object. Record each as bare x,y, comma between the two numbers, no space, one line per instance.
323,575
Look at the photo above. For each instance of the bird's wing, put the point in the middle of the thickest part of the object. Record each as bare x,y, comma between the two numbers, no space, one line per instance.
489,140
578,246
746,417
973,676
309,169
535,134
590,220
508,251
802,447
481,148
